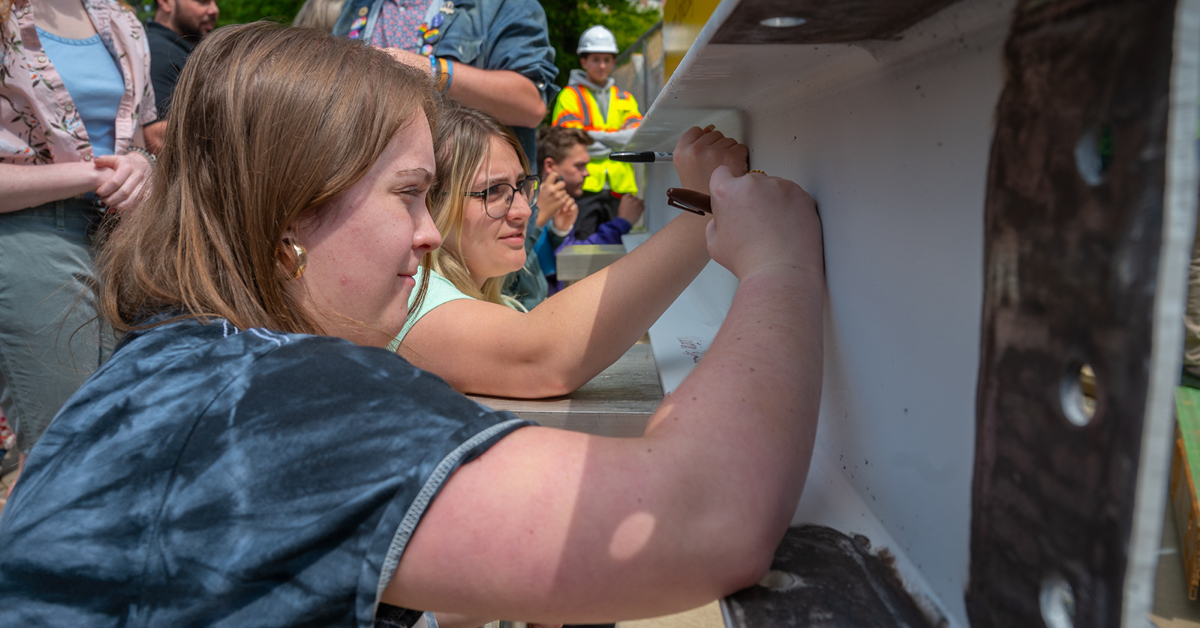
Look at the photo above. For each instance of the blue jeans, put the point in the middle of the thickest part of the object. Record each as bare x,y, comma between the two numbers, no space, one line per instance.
50,338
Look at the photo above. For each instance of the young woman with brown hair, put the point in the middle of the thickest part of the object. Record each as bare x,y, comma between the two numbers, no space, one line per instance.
252,456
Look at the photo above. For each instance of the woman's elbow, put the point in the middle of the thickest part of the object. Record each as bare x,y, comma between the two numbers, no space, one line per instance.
729,565
742,548
752,563
524,379
553,384
531,113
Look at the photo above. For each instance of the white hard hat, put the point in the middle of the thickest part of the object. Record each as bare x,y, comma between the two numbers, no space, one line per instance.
597,39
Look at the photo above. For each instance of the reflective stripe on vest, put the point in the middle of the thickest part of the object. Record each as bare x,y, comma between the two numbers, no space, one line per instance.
621,107
585,109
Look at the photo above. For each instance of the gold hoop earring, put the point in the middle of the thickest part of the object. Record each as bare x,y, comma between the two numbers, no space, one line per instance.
301,258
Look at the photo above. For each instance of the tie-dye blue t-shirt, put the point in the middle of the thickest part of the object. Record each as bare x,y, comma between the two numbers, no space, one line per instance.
209,476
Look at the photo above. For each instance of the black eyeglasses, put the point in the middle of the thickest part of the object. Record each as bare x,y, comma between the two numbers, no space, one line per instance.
498,199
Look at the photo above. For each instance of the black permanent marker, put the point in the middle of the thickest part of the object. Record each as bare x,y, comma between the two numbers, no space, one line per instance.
640,157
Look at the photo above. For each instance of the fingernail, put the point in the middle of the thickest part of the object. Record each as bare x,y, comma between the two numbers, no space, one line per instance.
710,127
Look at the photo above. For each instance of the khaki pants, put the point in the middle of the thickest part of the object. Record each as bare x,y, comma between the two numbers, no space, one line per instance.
50,340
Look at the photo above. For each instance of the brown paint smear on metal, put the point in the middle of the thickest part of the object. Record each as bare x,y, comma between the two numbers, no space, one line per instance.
821,577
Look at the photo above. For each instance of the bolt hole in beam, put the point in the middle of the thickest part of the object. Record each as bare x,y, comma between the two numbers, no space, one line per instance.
1057,601
1086,83
1078,392
1093,154
783,22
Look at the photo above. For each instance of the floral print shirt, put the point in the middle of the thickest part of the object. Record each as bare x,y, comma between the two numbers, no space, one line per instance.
38,120
398,22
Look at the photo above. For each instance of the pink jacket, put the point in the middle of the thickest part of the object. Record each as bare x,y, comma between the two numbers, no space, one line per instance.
38,121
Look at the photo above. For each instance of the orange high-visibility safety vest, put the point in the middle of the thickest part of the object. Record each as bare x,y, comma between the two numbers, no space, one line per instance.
576,108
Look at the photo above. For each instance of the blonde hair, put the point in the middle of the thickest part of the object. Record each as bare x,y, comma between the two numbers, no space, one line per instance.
462,146
319,14
268,124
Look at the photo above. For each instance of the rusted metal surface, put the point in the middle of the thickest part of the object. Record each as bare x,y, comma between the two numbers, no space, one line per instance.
821,577
1073,231
825,21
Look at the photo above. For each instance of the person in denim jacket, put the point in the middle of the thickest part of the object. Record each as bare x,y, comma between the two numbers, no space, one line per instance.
493,55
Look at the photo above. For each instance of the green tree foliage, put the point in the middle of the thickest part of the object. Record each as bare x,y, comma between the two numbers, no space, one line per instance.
145,11
569,18
242,11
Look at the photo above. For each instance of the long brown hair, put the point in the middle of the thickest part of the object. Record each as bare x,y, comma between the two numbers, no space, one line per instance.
462,145
267,125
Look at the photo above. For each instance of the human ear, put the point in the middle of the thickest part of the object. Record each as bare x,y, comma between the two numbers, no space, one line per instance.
291,258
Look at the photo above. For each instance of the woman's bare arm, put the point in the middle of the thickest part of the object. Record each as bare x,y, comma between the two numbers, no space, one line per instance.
555,526
153,135
22,187
512,98
509,96
484,348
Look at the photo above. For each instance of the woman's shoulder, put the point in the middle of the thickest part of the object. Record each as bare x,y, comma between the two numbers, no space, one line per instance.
440,290
112,18
218,340
259,371
266,377
287,444
436,278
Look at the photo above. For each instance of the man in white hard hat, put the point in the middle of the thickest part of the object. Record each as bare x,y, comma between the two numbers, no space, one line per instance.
609,114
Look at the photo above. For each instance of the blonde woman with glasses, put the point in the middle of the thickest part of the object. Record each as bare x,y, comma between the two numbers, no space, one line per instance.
251,455
466,331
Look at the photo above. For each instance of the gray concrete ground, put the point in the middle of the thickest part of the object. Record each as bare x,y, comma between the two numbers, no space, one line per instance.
1172,608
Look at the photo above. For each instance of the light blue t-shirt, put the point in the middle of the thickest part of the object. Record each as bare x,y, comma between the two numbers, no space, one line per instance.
93,80
440,291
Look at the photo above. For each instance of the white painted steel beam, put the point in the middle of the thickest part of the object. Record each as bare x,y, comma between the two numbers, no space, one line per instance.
891,138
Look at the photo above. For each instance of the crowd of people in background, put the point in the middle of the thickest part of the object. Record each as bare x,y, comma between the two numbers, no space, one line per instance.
212,205
120,115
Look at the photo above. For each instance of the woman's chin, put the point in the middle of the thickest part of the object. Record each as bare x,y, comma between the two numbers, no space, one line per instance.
513,264
503,268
